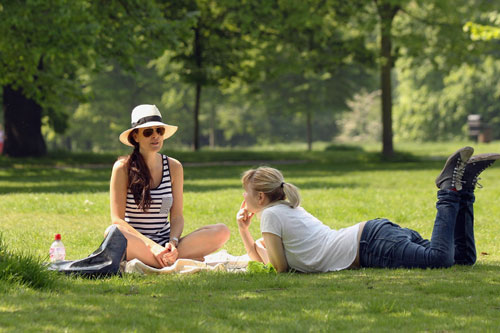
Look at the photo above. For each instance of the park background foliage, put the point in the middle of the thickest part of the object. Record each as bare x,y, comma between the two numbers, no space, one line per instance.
239,73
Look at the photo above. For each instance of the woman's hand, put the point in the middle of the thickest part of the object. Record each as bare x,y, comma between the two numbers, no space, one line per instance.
244,217
172,255
162,255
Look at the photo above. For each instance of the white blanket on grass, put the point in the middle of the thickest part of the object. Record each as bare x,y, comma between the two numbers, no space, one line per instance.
220,261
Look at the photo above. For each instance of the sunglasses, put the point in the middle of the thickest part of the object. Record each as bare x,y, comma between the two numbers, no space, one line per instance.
149,131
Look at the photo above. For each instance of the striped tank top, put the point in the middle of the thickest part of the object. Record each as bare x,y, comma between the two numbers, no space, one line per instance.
154,222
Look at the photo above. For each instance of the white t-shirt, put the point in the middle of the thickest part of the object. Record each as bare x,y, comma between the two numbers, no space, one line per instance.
310,246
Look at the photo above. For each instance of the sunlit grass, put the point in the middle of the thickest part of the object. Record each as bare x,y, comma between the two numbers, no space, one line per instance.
339,187
22,268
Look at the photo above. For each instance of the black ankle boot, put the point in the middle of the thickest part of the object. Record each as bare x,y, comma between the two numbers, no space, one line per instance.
474,167
453,170
105,261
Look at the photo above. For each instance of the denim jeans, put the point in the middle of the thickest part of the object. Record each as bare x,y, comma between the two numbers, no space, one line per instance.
386,245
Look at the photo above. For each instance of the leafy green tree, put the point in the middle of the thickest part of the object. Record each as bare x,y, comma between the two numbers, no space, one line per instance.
214,51
362,123
433,106
489,31
421,32
44,47
439,70
95,124
234,42
314,99
312,54
482,32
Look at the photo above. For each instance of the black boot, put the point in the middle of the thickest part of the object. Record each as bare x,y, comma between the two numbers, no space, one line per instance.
475,166
451,175
105,261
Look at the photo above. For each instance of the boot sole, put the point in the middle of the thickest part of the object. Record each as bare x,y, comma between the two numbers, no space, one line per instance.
484,157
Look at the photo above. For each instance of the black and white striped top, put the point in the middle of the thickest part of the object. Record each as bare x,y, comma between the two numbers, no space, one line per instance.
154,222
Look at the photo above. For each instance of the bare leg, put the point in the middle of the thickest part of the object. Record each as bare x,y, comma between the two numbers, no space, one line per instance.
203,241
137,249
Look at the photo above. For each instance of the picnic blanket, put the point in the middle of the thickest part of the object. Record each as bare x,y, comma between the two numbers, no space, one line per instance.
220,261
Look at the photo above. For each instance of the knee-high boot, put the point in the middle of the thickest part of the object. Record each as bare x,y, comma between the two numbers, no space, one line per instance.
104,261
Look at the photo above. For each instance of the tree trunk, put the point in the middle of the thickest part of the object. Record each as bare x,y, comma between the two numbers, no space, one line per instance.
196,138
23,125
386,13
198,59
310,33
212,127
309,131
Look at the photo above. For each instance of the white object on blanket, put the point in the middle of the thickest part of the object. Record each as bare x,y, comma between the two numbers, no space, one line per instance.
181,266
230,262
220,261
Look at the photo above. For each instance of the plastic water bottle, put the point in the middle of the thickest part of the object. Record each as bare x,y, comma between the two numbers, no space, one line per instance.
57,250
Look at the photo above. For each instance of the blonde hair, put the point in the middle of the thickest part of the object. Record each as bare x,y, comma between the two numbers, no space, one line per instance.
270,181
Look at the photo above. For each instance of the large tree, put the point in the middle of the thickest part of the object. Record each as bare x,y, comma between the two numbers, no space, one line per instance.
421,32
387,10
214,51
311,55
44,47
438,92
434,105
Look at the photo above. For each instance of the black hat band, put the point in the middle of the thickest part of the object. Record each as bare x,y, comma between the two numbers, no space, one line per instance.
146,119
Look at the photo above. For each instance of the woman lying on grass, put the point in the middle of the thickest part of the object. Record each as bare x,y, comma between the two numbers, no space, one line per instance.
294,239
146,189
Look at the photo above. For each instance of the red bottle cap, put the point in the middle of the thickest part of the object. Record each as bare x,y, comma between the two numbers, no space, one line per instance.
57,237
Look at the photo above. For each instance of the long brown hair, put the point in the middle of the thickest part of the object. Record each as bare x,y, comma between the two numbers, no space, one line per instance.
139,177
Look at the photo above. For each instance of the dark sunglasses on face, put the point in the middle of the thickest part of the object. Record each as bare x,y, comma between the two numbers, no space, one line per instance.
149,131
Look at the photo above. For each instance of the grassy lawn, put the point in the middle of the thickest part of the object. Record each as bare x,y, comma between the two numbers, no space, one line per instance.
340,185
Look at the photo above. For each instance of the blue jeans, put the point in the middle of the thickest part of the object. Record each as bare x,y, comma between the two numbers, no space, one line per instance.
386,245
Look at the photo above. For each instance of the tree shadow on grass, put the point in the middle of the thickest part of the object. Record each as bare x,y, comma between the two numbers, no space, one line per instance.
460,298
321,169
56,188
52,180
307,185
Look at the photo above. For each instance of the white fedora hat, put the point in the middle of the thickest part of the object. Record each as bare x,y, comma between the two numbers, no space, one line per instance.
146,115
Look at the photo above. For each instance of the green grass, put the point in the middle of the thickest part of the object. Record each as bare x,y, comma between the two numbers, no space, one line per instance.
339,185
23,268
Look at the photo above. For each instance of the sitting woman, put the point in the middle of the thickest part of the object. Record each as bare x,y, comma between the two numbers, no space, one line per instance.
294,239
146,188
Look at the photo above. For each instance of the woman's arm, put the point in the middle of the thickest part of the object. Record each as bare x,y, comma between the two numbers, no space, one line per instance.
118,202
244,219
176,211
275,251
250,245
